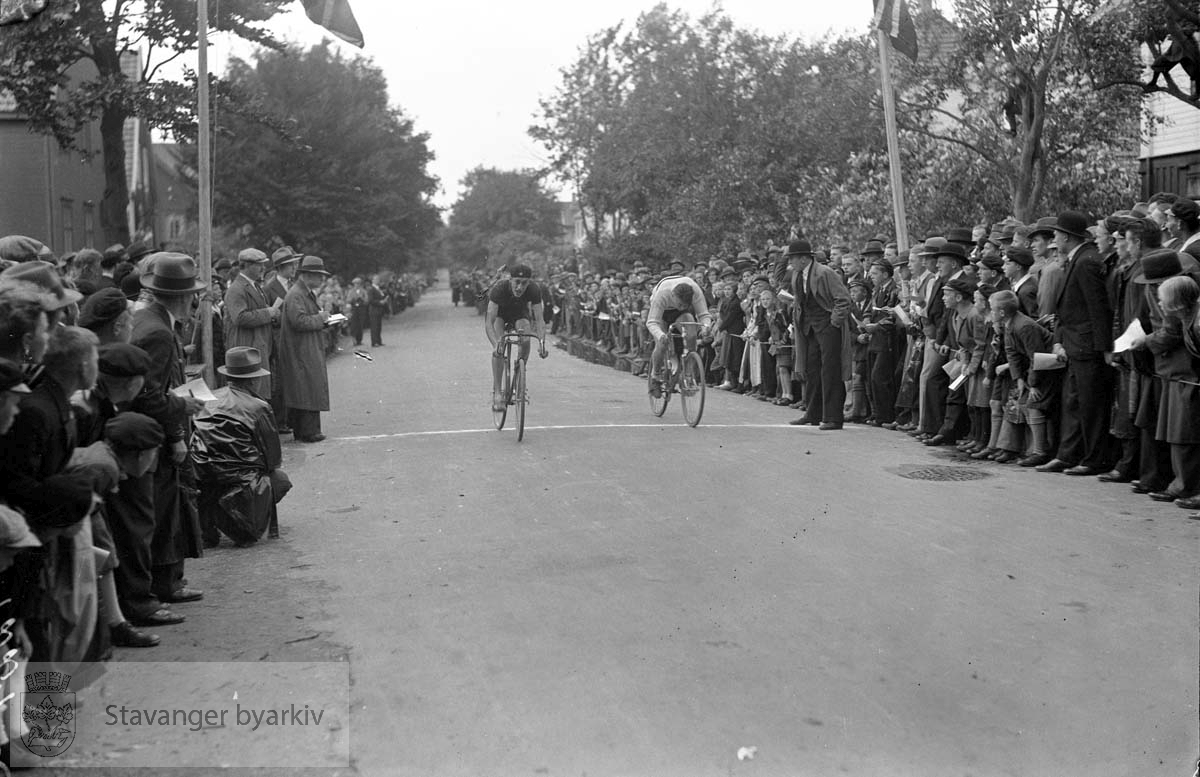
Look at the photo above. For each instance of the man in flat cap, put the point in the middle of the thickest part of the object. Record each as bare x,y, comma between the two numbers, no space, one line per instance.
1183,223
249,318
1017,262
108,314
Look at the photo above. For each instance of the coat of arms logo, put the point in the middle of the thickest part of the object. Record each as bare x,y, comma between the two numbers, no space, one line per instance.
49,713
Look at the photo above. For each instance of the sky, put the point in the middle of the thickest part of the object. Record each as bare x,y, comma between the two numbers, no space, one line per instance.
470,73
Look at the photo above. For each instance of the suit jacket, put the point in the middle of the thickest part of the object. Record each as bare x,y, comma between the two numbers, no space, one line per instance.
1027,296
33,456
248,323
152,332
274,289
1023,337
832,298
1084,313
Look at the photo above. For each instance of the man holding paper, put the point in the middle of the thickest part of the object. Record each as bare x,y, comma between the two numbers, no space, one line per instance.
302,352
249,318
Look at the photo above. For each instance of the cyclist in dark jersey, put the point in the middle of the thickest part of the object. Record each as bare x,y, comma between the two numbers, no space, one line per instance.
512,305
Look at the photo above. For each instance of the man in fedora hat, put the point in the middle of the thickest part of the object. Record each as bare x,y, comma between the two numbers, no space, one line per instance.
285,261
821,315
249,317
1083,339
237,455
302,352
172,284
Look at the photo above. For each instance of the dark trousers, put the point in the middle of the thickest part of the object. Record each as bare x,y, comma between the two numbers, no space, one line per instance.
277,405
881,372
358,318
1086,401
824,389
131,521
376,315
955,422
305,423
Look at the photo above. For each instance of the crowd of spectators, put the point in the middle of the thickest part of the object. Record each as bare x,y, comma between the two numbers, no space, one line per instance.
117,462
1068,345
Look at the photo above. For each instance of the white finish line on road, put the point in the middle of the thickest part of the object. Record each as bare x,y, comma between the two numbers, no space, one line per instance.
489,430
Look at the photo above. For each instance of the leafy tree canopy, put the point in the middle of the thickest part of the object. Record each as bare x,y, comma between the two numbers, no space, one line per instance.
64,67
504,204
348,180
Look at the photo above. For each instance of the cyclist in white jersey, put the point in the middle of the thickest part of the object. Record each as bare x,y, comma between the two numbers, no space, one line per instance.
674,299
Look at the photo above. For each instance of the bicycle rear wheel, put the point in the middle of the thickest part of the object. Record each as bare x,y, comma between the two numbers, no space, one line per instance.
519,398
658,405
691,388
498,416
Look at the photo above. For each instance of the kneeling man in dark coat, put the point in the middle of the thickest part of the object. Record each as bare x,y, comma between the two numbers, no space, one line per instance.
237,456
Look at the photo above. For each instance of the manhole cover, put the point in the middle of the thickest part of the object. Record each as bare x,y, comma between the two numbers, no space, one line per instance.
945,473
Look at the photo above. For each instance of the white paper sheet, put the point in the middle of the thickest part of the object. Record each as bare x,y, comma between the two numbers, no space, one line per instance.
1125,341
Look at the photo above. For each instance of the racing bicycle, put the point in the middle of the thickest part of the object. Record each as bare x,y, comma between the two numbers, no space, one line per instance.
513,383
685,376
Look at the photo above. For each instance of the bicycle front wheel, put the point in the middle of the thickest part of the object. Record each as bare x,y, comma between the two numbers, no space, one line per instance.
498,416
519,398
658,405
691,388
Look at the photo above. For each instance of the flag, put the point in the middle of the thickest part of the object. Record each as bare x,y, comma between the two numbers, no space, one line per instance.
17,11
335,16
892,17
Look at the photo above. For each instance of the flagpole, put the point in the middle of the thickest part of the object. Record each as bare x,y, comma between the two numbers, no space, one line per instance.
893,141
205,189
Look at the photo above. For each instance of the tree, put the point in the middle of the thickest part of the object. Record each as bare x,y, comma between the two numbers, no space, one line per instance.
1010,83
1170,32
65,70
348,179
494,203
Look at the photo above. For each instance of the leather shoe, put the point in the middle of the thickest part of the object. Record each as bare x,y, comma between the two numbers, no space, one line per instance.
829,426
1116,476
183,595
125,635
914,432
906,428
937,439
802,421
162,617
1004,457
1188,502
985,453
1082,469
1055,465
891,426
1137,488
1162,496
1035,460
313,438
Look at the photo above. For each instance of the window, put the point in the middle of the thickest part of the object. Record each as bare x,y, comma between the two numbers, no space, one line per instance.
89,224
68,225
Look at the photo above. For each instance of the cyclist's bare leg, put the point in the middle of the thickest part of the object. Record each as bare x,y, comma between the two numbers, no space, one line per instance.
522,325
498,366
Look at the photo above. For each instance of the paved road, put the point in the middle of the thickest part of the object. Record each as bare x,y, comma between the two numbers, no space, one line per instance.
621,596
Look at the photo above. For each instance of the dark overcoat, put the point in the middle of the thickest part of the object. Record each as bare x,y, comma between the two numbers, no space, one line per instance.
301,359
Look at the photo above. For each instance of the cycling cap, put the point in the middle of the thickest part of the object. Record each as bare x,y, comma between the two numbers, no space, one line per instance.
521,271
